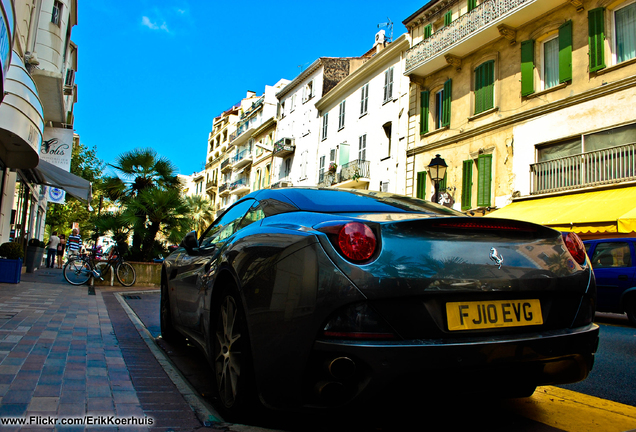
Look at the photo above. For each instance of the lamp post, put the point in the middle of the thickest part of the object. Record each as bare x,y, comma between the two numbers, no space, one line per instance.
437,171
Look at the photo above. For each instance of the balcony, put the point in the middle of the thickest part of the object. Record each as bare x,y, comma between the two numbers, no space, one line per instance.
326,179
240,187
50,87
243,158
484,24
284,182
224,189
611,165
226,165
211,186
354,174
284,147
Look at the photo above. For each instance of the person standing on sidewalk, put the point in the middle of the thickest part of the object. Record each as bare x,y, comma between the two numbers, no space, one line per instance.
74,243
60,250
54,242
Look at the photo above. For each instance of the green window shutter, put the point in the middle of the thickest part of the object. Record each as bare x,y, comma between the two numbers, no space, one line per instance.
428,31
596,26
424,101
421,185
467,184
484,180
527,67
446,103
484,86
448,18
472,4
565,52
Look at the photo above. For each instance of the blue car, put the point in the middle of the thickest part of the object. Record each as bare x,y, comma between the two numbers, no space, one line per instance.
615,270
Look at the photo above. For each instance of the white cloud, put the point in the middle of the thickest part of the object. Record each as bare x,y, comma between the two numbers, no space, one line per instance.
145,21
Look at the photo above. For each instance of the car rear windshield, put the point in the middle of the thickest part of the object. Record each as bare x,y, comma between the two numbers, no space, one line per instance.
355,201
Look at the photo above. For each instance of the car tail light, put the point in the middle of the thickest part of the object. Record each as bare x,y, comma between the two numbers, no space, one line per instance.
357,321
356,241
575,247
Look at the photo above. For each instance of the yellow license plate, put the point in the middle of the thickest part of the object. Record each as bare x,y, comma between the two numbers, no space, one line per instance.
493,314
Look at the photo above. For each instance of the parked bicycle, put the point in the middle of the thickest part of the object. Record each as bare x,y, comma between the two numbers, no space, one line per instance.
79,269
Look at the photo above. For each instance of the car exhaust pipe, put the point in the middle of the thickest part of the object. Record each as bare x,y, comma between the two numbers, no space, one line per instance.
330,391
341,368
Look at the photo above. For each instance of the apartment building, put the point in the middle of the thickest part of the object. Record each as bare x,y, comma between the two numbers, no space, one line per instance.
362,123
530,103
298,128
39,61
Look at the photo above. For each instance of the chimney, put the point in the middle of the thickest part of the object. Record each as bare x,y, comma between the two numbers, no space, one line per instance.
250,94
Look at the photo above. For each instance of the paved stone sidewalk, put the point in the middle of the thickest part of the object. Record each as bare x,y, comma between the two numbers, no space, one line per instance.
65,354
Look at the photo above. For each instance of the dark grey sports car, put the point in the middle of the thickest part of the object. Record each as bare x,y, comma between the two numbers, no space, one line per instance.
304,297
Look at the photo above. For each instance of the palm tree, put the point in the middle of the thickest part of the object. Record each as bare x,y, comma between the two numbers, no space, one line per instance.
201,211
140,176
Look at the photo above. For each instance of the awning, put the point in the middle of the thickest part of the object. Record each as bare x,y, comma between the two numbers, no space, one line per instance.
50,175
609,211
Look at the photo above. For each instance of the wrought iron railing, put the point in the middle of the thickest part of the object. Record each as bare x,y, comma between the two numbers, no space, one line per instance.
461,29
609,165
225,163
354,170
242,155
239,183
223,187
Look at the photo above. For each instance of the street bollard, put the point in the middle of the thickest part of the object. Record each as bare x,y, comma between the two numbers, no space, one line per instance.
91,285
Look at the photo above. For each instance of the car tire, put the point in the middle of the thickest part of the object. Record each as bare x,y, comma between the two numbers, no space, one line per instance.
168,332
231,358
630,308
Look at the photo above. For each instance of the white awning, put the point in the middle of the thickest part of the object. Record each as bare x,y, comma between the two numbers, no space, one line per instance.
50,175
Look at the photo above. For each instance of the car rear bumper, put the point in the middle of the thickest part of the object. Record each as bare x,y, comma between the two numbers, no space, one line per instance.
451,365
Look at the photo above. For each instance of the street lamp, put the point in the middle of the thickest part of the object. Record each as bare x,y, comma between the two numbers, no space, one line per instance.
437,171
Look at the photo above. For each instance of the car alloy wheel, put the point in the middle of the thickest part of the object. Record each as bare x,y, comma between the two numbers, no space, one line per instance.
228,351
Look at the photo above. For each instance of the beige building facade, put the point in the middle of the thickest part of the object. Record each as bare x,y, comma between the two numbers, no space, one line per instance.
525,100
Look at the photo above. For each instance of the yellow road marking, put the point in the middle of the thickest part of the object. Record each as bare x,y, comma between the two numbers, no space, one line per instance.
575,412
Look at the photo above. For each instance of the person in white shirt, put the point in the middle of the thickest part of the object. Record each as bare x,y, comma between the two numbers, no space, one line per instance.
54,241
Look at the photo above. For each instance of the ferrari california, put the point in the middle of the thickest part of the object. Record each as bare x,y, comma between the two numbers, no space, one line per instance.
309,297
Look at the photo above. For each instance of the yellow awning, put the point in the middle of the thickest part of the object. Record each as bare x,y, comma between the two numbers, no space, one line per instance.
611,211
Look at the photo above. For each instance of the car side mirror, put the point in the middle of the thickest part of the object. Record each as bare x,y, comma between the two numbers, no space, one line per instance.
190,242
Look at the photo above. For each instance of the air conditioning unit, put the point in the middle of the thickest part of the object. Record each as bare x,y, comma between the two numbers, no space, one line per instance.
285,184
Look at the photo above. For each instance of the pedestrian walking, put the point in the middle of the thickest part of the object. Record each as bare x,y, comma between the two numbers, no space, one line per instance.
54,242
60,250
74,243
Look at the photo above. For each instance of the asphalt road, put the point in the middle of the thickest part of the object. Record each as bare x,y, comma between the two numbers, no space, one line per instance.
613,374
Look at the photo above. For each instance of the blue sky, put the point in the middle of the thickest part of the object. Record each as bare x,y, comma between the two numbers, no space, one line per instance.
156,73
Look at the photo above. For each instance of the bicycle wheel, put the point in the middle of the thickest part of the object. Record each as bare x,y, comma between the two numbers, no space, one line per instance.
126,274
102,268
77,271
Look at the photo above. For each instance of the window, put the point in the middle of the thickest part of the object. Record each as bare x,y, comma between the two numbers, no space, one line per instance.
442,106
420,191
282,109
612,254
321,168
364,99
484,179
362,148
625,33
70,78
56,15
292,103
472,4
428,31
268,170
388,85
424,103
448,18
485,87
325,122
286,167
341,115
596,38
225,226
551,63
387,131
467,184
308,91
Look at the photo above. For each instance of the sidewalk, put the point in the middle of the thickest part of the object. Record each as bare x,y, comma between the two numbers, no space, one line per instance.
65,354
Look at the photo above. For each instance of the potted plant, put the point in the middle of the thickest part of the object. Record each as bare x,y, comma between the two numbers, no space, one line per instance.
34,254
11,255
333,167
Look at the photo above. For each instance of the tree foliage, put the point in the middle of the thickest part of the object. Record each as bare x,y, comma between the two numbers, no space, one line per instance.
202,212
60,217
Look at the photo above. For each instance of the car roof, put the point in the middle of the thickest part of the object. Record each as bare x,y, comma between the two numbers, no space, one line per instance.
333,200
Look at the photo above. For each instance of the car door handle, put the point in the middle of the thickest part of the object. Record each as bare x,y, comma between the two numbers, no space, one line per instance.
623,277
